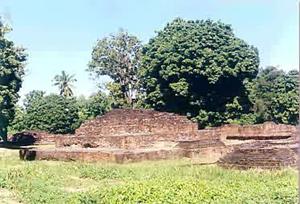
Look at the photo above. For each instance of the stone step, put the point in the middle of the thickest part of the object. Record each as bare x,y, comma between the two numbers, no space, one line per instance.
199,143
271,157
118,155
134,141
104,155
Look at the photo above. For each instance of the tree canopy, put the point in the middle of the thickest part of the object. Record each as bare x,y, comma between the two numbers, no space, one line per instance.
200,69
275,96
32,96
52,113
196,68
96,105
65,84
12,63
118,57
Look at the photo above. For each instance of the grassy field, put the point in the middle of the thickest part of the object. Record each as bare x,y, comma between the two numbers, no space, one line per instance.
147,182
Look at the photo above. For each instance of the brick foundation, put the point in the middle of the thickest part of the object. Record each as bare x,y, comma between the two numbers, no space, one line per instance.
264,154
136,135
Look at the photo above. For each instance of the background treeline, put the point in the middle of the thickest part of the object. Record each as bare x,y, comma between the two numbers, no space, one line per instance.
195,68
55,113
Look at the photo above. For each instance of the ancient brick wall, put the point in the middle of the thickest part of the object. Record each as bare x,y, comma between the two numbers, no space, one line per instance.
137,135
262,154
268,130
92,155
131,129
274,146
134,129
127,121
205,139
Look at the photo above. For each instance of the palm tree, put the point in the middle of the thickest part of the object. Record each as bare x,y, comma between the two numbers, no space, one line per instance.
64,83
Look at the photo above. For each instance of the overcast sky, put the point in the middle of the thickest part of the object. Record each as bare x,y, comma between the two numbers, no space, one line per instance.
59,34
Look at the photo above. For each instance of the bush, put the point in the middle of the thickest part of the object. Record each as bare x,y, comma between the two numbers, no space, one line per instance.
54,114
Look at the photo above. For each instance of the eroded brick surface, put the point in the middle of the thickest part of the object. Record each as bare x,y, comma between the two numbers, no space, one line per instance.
132,129
136,135
267,130
263,155
271,146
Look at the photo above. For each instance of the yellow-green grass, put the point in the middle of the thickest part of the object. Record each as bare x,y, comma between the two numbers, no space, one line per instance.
179,181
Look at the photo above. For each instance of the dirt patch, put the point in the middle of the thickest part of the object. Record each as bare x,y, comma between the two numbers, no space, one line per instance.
7,197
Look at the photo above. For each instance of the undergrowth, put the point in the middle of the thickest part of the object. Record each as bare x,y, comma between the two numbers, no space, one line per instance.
146,182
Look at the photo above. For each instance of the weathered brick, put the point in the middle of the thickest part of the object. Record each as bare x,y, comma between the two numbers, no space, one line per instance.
135,135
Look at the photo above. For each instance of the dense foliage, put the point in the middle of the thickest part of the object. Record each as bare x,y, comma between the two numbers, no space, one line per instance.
96,105
200,69
18,123
118,57
146,182
53,113
12,61
31,97
37,112
195,68
275,96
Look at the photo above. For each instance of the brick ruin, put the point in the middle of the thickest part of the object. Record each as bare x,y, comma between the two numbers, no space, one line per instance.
125,135
267,146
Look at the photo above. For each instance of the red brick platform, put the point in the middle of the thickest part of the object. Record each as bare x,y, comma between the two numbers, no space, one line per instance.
125,135
267,146
262,154
132,135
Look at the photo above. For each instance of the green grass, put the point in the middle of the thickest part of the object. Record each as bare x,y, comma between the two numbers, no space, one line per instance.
146,182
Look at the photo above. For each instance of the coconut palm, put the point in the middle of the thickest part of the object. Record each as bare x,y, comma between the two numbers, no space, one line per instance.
64,83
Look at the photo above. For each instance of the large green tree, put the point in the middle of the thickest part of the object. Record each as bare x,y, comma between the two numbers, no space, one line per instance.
12,62
19,122
199,68
64,82
52,113
275,97
118,57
